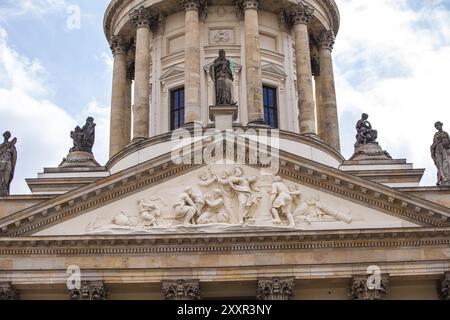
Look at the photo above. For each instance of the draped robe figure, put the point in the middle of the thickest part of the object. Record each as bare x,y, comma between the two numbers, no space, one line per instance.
8,158
222,77
440,152
84,138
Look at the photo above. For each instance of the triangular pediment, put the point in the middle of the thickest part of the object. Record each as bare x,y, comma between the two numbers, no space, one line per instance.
272,69
322,198
172,72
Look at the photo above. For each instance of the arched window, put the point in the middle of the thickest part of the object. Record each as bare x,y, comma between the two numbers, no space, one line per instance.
176,108
270,106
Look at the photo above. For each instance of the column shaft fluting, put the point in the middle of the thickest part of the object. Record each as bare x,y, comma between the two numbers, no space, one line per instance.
117,141
192,62
330,113
253,62
307,117
319,106
141,18
127,115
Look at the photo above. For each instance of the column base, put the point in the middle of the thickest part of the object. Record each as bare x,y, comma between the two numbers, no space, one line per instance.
258,124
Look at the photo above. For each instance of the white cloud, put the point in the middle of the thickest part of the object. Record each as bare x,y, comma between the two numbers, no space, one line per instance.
13,8
392,62
42,127
106,58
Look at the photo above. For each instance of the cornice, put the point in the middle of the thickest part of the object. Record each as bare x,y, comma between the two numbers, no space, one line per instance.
332,13
245,241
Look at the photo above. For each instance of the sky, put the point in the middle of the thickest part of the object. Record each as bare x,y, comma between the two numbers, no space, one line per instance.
391,59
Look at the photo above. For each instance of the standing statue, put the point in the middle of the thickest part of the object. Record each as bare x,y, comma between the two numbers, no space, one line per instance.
84,138
8,159
283,201
365,133
440,152
222,77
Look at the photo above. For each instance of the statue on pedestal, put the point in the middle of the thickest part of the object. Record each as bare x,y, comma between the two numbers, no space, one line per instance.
440,152
80,155
8,159
365,133
222,76
366,146
84,138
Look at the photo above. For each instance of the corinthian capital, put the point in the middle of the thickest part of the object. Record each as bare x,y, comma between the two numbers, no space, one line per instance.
298,13
118,45
144,18
444,287
7,292
181,290
250,4
197,5
275,289
89,290
327,39
361,290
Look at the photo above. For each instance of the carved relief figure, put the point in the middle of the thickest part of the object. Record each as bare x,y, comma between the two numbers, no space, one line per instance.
240,186
365,133
222,76
215,211
244,188
312,210
188,206
283,201
440,152
84,138
8,159
148,213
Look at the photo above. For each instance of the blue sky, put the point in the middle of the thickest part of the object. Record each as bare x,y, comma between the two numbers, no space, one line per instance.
392,60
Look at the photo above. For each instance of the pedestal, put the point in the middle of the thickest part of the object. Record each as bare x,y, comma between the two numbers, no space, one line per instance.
223,116
370,151
79,159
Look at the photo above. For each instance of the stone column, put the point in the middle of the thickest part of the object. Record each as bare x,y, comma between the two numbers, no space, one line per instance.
141,19
253,62
118,104
330,114
315,66
444,287
7,292
276,289
299,16
192,108
181,290
89,290
128,106
360,289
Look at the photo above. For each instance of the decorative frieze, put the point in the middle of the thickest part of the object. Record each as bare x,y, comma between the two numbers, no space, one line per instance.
7,292
181,290
275,289
444,287
327,40
89,290
298,13
362,289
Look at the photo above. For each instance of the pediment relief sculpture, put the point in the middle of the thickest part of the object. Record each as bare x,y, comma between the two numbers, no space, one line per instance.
220,199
